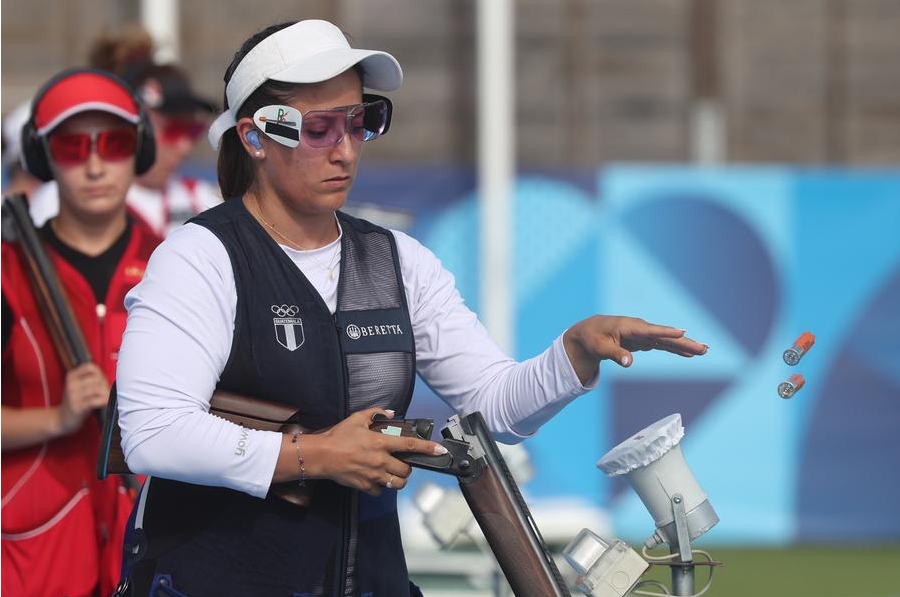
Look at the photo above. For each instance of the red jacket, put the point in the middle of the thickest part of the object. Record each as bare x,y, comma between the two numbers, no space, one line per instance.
62,527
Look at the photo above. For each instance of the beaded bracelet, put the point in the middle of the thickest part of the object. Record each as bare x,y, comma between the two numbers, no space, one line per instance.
294,440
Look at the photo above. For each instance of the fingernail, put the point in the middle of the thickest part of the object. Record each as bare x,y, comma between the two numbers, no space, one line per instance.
625,360
439,450
389,412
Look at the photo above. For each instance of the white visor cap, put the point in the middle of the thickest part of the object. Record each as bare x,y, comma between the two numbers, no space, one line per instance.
309,51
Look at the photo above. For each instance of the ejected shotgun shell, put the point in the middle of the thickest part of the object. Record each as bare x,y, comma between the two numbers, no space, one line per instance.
791,386
799,348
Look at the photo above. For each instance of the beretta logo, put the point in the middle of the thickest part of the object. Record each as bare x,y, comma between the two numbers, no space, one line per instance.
355,332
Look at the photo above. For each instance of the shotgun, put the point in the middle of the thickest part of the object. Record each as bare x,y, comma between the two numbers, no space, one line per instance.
472,456
498,506
44,281
252,413
52,301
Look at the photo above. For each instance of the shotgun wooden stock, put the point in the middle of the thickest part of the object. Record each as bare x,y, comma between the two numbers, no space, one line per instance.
243,410
252,413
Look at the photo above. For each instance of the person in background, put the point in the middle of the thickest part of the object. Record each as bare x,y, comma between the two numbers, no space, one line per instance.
279,295
16,179
63,527
164,196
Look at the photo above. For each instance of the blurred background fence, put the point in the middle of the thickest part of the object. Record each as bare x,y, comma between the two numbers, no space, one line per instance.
798,81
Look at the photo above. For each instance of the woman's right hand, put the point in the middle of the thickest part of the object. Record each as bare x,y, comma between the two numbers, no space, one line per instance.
355,456
85,390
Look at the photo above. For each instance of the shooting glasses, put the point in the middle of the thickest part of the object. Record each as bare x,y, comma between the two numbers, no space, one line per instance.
325,128
73,149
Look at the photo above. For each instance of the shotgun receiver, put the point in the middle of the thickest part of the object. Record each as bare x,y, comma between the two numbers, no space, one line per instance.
498,506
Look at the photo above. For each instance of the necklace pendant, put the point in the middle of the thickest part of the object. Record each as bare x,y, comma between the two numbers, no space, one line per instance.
330,274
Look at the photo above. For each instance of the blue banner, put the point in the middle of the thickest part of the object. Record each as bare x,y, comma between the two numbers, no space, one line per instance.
746,259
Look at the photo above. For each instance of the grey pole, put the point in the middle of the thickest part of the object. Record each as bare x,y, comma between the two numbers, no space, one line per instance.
682,566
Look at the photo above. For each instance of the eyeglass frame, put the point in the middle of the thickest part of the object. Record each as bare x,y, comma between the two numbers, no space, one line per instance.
368,99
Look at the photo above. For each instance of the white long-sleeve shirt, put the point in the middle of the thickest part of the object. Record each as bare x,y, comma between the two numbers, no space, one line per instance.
179,335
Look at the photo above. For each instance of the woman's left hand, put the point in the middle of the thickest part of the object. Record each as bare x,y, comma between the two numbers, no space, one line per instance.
615,337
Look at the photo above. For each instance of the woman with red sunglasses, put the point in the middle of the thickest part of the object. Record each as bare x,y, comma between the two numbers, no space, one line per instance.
62,526
164,196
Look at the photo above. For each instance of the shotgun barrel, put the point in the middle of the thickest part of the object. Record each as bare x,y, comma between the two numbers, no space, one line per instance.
51,297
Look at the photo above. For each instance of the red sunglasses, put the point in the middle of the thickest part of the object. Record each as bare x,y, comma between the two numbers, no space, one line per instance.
73,149
175,129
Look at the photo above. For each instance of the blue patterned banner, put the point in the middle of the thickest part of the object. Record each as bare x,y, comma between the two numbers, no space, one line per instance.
746,259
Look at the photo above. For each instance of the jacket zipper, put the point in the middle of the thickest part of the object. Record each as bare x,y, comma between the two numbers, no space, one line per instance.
100,310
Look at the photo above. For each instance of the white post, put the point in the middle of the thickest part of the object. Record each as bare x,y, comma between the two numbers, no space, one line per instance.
708,142
496,166
160,18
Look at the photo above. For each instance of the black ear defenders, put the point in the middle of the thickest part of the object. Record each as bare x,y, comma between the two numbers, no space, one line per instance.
34,154
253,139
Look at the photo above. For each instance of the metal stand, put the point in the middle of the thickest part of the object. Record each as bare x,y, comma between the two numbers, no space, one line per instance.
683,565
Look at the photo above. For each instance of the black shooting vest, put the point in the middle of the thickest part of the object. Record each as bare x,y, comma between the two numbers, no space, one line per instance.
288,348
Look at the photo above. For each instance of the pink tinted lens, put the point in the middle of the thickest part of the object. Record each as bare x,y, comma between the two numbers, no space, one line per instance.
325,128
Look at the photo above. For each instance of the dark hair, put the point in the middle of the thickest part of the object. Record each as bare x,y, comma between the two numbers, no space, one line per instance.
234,167
116,51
